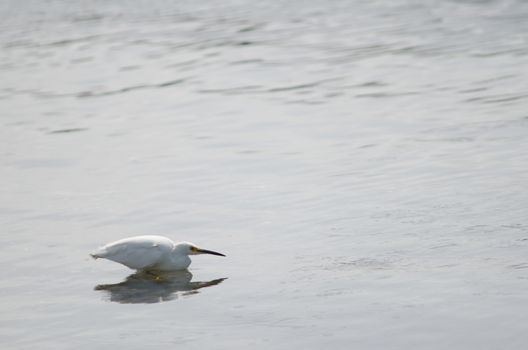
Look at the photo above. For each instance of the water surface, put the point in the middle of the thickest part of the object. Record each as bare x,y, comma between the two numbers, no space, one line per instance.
362,164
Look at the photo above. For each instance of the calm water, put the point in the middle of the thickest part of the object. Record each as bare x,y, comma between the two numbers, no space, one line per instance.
363,164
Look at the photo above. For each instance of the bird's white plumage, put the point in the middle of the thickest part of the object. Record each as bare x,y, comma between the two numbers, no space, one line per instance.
139,252
150,253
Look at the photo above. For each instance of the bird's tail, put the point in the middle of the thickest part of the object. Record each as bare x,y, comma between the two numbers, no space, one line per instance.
99,253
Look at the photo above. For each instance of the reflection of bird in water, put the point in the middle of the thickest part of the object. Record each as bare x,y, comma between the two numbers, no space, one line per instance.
148,287
154,253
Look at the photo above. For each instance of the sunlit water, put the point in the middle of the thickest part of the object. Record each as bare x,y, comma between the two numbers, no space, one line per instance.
363,165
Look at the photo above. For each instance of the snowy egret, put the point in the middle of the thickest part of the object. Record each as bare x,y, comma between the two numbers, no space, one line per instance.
146,253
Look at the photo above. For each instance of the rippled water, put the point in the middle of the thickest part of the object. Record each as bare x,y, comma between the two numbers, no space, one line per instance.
363,164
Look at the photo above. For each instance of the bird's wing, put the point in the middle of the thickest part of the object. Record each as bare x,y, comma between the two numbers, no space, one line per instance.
137,252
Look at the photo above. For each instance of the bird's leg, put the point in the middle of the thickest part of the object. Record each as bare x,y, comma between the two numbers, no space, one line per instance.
156,276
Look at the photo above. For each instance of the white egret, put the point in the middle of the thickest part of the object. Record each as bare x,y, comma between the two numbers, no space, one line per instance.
146,253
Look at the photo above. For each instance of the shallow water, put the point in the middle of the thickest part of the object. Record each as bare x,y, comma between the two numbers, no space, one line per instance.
362,164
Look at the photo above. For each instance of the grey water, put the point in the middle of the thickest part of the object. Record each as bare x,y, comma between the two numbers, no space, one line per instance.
362,164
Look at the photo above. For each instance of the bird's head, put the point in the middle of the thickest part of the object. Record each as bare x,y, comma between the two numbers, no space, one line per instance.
191,249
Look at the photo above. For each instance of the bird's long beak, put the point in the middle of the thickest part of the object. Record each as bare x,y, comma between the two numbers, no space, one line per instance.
205,251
